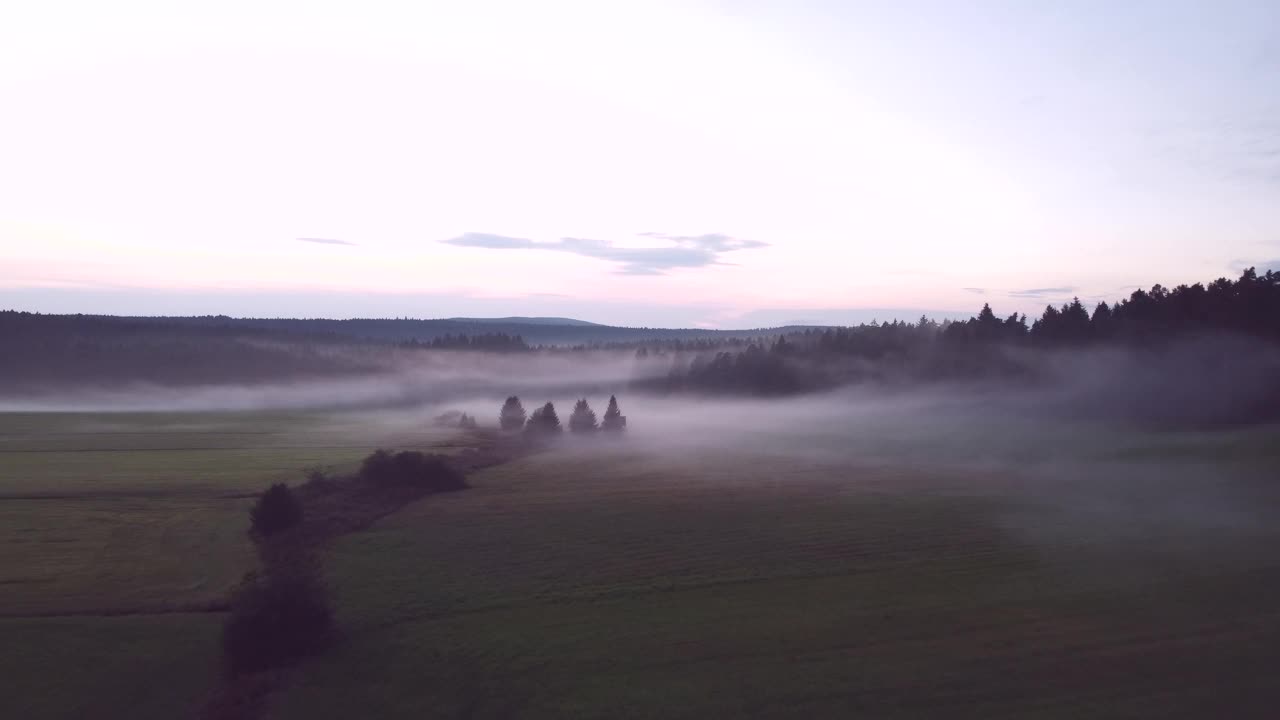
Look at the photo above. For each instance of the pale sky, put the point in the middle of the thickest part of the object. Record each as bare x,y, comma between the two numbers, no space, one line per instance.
704,162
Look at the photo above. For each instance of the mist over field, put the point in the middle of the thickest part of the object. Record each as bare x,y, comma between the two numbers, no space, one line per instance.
1000,512
393,378
1106,435
1202,381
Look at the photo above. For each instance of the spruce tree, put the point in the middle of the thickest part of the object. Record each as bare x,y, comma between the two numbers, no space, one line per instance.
544,421
512,416
583,419
1075,322
614,420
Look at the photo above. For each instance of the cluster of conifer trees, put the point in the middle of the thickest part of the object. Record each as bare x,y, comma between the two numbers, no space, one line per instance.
544,420
1249,305
822,357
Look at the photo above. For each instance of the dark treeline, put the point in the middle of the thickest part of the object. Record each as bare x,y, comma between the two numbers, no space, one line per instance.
483,342
1248,306
544,332
42,352
986,345
55,350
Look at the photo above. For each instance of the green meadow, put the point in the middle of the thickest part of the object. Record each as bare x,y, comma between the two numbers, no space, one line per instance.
1105,575
728,584
116,528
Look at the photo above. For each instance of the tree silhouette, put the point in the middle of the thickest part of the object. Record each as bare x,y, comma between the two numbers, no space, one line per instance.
276,619
583,419
277,509
614,420
1075,322
512,416
544,422
1015,326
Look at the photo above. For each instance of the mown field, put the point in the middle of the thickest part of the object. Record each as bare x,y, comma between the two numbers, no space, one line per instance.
117,529
733,582
887,567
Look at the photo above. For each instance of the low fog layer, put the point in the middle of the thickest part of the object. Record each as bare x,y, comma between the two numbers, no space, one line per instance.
401,379
1202,382
1091,495
1100,449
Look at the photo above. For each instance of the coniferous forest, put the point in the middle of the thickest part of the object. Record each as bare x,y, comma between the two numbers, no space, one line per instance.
1225,331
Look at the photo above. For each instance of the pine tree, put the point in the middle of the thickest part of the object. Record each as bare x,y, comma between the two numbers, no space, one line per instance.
986,326
583,419
544,421
512,416
1100,321
1075,322
1015,326
986,316
1048,329
614,420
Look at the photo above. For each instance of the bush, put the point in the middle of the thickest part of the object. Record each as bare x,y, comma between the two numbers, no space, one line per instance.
411,469
277,509
276,620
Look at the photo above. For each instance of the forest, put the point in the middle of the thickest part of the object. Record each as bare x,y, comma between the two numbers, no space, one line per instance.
1233,323
1155,323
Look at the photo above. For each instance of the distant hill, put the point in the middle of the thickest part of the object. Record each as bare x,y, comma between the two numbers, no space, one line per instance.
528,321
534,330
42,353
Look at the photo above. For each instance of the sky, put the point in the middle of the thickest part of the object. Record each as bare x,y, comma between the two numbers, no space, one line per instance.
696,163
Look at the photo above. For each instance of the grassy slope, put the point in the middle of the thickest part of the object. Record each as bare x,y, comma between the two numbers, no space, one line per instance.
713,586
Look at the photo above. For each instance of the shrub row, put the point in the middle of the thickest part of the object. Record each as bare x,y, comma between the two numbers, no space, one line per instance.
283,614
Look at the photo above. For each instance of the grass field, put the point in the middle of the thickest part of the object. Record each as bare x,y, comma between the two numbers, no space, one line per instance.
624,584
113,513
886,568
111,522
135,666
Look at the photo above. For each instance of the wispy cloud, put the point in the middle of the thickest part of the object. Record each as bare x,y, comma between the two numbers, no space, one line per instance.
1043,292
326,241
1261,266
976,291
683,251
